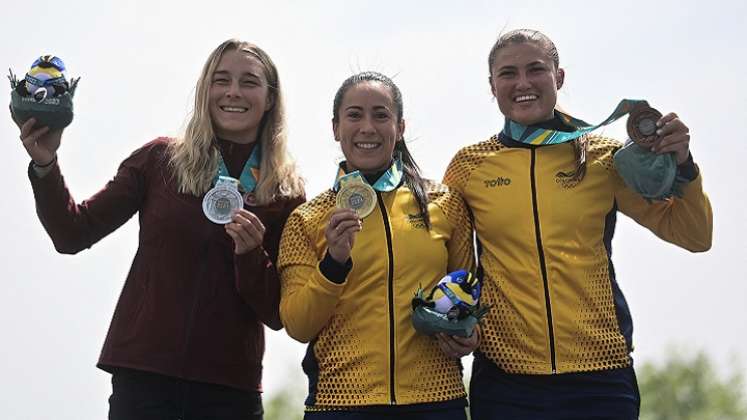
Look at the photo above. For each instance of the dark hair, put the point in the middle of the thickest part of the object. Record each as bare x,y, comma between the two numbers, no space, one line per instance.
520,36
410,169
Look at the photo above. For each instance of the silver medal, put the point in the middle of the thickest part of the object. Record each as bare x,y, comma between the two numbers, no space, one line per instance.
222,201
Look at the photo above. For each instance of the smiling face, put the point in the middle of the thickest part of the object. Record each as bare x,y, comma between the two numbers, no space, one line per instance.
525,82
238,97
368,126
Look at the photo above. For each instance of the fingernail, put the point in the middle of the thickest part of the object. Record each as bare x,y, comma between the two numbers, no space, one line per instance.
658,132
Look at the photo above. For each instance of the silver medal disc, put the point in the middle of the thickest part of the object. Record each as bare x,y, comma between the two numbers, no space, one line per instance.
221,202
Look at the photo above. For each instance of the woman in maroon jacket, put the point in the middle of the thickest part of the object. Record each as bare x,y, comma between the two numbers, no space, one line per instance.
186,339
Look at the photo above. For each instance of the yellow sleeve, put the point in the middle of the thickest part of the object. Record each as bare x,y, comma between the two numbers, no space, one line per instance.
459,245
307,298
457,174
685,221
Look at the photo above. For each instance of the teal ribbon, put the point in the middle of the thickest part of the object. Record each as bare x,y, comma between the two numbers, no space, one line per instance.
388,181
540,136
250,173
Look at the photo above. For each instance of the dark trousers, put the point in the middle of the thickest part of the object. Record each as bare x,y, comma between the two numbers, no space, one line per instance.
601,395
138,395
442,414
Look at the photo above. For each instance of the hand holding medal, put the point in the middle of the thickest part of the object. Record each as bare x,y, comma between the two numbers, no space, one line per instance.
355,200
246,230
648,161
343,224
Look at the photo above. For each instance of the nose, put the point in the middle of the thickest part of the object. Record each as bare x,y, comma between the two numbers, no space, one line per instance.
233,89
522,81
366,126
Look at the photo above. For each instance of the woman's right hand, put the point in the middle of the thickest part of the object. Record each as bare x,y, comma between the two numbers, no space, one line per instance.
340,234
40,143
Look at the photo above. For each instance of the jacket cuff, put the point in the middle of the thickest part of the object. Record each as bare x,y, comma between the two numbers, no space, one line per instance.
254,261
333,270
688,170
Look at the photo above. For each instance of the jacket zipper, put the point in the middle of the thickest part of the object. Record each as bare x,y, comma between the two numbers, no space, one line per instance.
390,295
543,267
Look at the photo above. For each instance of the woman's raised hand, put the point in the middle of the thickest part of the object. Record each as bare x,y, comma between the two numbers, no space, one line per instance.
340,233
40,143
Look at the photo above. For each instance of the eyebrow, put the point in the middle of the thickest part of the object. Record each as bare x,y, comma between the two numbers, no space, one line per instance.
227,73
513,67
375,108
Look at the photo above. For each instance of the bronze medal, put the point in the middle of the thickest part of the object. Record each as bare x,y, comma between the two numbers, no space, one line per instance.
642,124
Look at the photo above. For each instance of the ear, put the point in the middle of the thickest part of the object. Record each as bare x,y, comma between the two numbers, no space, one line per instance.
560,78
336,130
401,130
492,88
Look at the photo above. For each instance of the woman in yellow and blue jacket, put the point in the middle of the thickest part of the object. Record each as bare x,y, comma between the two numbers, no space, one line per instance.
557,342
347,283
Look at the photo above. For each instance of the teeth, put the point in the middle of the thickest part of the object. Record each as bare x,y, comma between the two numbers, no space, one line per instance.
366,145
525,98
233,109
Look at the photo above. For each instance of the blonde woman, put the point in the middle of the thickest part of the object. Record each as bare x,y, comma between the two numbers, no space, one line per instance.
186,339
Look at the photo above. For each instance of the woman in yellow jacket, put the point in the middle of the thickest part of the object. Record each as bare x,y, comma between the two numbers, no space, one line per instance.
557,342
347,282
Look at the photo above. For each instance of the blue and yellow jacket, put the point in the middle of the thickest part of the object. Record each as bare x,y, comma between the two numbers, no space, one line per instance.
363,349
545,250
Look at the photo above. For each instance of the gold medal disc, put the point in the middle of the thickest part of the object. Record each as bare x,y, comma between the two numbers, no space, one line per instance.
357,196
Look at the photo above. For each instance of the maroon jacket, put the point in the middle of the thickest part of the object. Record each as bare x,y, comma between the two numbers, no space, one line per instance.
189,308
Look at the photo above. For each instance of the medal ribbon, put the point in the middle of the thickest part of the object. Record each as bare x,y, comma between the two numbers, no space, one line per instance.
539,136
388,181
249,175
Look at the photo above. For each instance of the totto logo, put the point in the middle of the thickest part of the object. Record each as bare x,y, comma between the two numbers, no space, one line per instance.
498,182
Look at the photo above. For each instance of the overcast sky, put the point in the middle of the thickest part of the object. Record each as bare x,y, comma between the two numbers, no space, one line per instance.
139,61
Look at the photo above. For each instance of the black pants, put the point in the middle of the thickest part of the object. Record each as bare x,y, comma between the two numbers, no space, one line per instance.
138,395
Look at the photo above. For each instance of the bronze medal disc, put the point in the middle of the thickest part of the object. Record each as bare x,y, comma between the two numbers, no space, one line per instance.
642,124
357,196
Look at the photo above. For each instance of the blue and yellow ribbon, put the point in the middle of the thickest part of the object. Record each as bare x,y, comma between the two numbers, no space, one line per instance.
540,136
249,175
388,181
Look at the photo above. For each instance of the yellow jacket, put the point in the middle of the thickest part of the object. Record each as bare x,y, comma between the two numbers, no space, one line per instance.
546,251
363,348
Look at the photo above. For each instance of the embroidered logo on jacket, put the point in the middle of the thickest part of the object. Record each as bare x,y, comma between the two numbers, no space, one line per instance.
416,221
566,179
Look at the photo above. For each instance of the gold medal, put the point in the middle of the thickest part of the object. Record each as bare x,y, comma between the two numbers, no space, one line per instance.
356,194
642,124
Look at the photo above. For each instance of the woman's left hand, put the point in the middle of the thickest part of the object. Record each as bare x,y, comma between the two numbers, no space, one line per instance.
674,137
458,347
246,230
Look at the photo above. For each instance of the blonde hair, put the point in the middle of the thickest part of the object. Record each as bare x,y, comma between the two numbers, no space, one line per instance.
194,156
